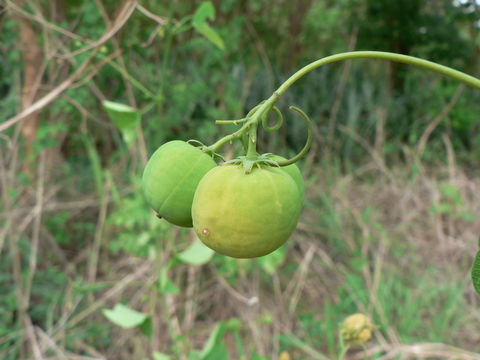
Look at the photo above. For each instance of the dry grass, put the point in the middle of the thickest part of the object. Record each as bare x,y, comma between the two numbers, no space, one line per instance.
385,219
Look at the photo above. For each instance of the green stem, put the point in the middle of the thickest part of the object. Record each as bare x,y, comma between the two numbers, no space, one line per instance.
343,352
343,347
130,78
267,105
441,69
230,122
255,118
214,147
252,142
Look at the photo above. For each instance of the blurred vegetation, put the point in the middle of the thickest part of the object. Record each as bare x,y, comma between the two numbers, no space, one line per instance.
391,214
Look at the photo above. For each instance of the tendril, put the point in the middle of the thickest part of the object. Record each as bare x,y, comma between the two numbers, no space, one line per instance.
308,143
193,141
278,123
239,121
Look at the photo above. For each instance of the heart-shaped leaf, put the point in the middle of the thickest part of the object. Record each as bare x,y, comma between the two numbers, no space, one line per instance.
125,118
125,317
196,254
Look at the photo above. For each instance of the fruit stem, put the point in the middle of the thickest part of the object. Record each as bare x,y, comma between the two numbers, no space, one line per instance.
252,142
255,118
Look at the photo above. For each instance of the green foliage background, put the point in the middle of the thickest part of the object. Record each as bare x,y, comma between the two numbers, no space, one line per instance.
194,62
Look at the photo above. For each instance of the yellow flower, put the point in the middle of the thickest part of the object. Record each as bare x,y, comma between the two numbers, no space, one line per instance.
357,328
284,356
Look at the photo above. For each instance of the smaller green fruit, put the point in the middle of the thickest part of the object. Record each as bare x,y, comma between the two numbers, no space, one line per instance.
171,177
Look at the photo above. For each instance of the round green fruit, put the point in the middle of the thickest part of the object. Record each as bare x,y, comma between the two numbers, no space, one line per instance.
245,215
171,177
295,173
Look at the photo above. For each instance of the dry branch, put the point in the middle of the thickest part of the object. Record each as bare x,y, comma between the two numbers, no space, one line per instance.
123,15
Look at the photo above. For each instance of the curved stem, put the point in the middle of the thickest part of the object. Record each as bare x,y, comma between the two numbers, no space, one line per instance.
264,107
406,59
278,123
308,144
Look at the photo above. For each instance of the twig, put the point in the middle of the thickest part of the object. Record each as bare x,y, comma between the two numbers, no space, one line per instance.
375,156
47,99
237,295
50,344
123,15
26,14
37,353
419,350
142,147
428,131
141,271
36,229
300,279
161,21
94,255
96,69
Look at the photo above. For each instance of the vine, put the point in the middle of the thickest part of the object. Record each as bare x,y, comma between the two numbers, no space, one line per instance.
260,113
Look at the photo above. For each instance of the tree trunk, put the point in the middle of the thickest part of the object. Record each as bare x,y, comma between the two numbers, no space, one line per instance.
32,62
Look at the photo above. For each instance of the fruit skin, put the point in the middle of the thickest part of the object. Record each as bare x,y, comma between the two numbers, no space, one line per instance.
245,215
295,173
171,177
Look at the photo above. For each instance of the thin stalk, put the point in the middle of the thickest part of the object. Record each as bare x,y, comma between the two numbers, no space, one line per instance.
252,142
259,109
130,78
406,59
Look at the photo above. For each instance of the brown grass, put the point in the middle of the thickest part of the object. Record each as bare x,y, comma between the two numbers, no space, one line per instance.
400,215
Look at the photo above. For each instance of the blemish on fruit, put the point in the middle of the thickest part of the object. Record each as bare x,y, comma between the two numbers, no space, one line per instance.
205,232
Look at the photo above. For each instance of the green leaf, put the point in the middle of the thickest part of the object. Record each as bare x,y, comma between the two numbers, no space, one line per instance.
160,356
206,11
476,273
272,261
146,327
451,192
443,208
233,324
125,118
207,31
196,254
166,286
125,317
214,349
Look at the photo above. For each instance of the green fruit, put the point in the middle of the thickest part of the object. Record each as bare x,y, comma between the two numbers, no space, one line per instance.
171,177
245,215
295,173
